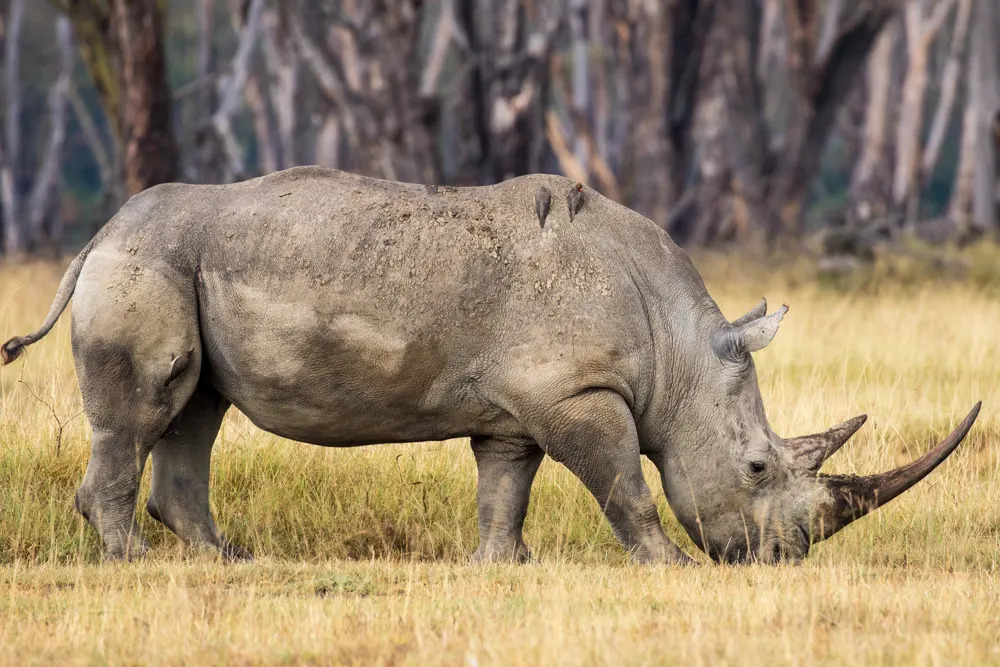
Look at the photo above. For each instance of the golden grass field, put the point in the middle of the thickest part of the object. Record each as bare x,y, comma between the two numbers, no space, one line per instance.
361,554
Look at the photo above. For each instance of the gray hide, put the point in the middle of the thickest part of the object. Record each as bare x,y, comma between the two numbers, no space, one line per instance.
341,310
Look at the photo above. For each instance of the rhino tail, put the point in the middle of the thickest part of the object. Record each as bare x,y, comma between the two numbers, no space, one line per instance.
13,348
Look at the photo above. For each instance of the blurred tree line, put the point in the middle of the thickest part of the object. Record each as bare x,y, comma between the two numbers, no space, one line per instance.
722,120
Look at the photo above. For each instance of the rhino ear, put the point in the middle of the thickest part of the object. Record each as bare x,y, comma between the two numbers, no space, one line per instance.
735,342
759,311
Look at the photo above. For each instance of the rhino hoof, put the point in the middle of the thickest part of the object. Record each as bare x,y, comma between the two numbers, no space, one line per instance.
485,554
137,550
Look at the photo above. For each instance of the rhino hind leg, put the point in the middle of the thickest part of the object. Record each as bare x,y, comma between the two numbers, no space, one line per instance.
125,351
593,434
181,465
128,407
507,468
108,493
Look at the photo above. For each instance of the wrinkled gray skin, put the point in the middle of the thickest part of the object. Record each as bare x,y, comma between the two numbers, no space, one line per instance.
341,310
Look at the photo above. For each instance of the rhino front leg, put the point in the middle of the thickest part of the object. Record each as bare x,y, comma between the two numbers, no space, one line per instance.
507,468
594,435
181,466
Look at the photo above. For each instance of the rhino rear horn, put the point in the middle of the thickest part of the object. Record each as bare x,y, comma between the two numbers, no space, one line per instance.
737,340
810,451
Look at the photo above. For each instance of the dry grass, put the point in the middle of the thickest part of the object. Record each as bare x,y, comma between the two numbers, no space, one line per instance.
362,552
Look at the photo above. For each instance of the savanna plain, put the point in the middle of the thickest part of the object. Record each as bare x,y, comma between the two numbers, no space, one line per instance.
361,554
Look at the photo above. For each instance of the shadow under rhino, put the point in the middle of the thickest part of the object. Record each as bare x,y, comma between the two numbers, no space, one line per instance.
341,310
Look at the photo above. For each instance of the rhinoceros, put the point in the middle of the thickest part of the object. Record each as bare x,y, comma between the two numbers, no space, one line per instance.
534,316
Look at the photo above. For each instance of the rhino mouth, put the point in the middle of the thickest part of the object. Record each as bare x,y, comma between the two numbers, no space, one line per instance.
774,552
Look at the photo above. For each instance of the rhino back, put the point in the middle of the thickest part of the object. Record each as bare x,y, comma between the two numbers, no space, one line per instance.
406,312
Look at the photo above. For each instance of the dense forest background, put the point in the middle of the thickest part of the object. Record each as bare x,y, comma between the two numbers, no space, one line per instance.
724,121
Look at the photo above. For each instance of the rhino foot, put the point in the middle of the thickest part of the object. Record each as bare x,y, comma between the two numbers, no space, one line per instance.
500,553
135,548
667,554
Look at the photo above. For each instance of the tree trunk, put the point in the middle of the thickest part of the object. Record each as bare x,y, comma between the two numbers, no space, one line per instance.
231,91
664,47
14,234
515,51
973,205
203,162
267,144
43,202
580,108
871,182
150,148
282,65
328,142
110,185
987,96
369,73
821,87
950,79
923,20
122,46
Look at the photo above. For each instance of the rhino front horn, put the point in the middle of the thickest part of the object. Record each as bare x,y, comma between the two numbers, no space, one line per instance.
853,497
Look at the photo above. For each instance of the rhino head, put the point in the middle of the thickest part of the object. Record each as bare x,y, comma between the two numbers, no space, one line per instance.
744,493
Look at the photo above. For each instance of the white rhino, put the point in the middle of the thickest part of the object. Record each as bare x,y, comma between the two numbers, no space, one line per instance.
341,310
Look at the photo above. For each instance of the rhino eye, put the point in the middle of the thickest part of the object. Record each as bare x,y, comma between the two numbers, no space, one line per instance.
757,467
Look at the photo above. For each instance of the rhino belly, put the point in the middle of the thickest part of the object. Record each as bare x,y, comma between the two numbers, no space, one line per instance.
337,372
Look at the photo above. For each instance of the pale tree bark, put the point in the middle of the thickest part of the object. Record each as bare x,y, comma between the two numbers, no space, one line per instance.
661,59
763,126
328,142
231,90
830,26
283,67
871,181
973,205
580,141
14,236
601,106
772,39
581,84
329,77
267,145
204,158
923,20
43,201
366,62
950,79
121,42
106,165
446,32
510,46
821,86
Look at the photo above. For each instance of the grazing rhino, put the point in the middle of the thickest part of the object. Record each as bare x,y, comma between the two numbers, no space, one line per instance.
341,310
